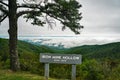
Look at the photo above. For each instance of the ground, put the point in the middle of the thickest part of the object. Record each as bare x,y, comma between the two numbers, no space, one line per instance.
9,75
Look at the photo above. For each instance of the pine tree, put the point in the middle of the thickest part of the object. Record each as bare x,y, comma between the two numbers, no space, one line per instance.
65,11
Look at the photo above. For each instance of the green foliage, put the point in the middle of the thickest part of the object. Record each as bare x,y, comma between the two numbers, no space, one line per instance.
3,49
28,53
91,70
105,67
9,75
114,74
61,71
111,51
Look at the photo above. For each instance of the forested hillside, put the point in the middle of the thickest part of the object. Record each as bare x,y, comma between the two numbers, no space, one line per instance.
111,50
100,62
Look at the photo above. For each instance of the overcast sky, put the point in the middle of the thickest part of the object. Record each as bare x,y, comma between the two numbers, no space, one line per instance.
101,18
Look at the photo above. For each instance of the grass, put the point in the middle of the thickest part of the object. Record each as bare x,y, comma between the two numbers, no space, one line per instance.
9,75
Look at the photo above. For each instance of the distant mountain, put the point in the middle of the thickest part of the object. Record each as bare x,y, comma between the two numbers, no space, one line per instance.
111,50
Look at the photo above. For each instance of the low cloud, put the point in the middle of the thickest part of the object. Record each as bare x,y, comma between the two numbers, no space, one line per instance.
99,17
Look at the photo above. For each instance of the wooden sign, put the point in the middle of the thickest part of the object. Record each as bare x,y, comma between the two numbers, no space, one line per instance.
62,59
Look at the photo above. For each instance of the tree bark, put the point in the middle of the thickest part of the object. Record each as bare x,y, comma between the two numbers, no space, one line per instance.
13,51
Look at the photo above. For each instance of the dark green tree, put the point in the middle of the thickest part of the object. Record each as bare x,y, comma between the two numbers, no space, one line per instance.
65,11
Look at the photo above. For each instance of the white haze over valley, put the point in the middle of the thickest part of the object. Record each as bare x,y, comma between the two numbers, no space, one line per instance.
69,41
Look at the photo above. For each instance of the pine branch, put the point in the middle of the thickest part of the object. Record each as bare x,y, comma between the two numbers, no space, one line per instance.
26,12
4,3
3,9
57,18
33,6
65,12
2,19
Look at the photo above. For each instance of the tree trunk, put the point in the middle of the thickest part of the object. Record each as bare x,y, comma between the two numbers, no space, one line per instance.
14,60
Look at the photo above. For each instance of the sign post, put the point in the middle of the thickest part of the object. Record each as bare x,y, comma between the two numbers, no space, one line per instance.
46,71
73,72
62,59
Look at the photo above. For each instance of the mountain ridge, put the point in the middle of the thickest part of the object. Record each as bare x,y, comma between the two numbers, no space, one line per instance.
111,50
